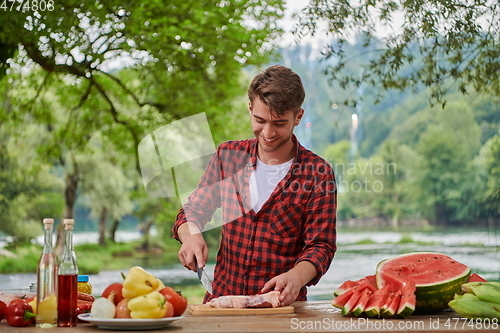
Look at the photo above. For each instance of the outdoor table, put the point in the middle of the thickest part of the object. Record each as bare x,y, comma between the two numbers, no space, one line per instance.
309,316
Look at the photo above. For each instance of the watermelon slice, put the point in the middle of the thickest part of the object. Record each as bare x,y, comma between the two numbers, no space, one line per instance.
407,290
349,306
362,301
372,279
341,300
345,286
408,300
360,286
376,301
384,309
437,277
391,309
476,278
366,282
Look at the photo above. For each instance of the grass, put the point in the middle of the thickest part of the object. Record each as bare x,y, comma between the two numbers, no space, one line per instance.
26,261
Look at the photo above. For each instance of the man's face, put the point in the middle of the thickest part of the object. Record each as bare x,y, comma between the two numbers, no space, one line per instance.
272,132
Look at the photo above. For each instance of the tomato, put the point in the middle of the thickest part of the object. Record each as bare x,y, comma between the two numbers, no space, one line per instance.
170,310
117,288
3,306
178,301
122,310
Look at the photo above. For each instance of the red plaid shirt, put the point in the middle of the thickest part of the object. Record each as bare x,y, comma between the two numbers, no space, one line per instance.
296,223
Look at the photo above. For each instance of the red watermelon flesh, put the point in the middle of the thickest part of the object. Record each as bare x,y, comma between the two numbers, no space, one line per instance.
366,282
388,301
372,279
341,300
345,286
476,278
362,301
425,268
376,301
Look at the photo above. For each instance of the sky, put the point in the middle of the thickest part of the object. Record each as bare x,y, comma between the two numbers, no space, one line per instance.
292,6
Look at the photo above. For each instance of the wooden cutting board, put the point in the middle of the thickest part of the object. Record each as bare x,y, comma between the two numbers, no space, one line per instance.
203,310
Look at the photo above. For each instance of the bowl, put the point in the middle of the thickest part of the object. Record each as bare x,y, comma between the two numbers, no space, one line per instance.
10,294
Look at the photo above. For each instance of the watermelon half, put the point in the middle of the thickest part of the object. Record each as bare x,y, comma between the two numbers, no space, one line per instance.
437,277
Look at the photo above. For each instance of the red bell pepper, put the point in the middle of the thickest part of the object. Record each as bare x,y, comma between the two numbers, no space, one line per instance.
19,313
3,306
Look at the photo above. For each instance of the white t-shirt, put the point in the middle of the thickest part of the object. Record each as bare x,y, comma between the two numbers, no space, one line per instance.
263,180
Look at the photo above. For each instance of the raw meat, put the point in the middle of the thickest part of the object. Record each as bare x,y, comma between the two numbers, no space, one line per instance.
267,300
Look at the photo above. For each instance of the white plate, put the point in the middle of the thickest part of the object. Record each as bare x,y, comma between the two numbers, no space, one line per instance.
128,324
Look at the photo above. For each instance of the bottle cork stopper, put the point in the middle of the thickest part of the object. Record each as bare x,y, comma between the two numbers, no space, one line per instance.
68,223
48,223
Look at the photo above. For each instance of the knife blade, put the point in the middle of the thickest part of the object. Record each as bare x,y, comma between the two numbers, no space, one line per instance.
205,280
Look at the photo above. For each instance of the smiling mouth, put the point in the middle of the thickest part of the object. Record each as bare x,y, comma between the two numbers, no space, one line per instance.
268,140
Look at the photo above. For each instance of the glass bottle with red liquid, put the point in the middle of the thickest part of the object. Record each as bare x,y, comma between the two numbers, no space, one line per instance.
67,285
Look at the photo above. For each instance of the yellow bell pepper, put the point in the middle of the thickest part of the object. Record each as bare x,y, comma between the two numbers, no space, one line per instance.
160,285
33,305
150,306
138,282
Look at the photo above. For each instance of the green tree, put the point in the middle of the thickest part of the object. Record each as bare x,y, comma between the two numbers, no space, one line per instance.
493,172
28,189
181,58
435,44
493,163
441,172
106,187
338,154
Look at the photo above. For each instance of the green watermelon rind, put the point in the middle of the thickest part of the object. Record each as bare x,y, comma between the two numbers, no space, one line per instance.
373,311
408,310
432,298
435,298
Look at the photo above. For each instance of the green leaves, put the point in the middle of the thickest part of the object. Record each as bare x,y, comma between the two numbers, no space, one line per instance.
451,39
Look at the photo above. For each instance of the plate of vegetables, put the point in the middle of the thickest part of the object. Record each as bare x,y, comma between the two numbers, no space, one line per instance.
140,302
128,324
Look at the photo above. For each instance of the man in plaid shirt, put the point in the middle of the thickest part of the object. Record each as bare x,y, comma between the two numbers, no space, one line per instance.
278,201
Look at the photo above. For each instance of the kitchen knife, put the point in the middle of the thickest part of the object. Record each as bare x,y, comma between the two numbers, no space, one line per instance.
205,280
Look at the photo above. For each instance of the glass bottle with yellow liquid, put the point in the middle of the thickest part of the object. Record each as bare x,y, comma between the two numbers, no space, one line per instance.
46,309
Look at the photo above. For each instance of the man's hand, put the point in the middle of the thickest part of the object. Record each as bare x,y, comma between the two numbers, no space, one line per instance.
289,283
194,250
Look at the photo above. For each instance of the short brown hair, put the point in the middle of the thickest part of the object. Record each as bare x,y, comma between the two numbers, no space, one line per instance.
278,87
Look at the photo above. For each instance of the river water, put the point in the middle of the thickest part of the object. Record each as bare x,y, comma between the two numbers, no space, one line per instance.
358,253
